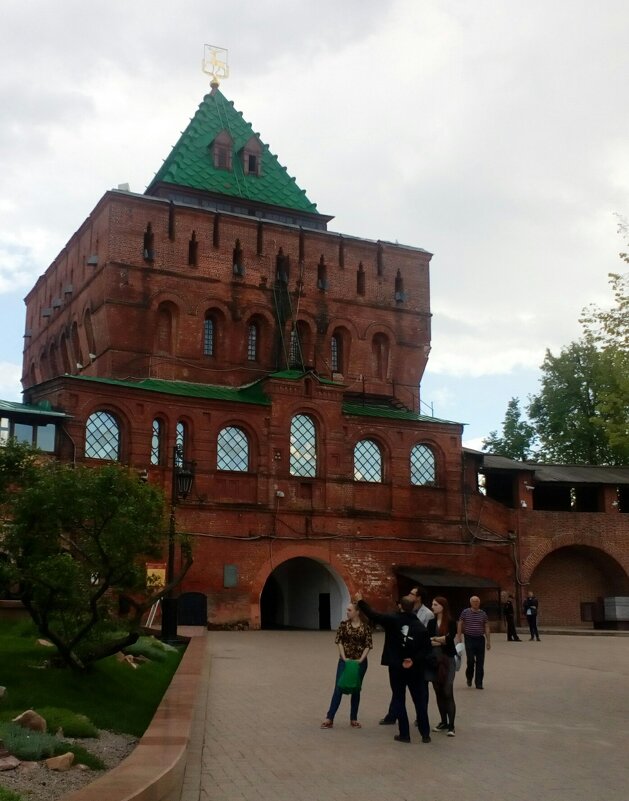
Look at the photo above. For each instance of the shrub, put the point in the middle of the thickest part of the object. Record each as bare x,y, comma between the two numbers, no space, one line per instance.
7,795
71,723
31,746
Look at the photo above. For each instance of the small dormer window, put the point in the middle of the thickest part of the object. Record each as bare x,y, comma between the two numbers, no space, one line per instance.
222,148
252,157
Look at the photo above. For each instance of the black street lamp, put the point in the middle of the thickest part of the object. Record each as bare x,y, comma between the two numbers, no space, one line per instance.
182,480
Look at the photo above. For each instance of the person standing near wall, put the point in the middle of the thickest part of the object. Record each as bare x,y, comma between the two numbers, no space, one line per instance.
531,610
474,624
509,614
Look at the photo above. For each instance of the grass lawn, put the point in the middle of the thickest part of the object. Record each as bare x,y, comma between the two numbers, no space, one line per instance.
112,695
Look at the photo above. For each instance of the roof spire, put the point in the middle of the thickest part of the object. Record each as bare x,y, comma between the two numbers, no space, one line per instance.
215,64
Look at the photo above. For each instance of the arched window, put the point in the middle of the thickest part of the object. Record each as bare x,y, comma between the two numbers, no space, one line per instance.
164,331
252,343
303,446
232,450
335,354
208,335
181,443
294,350
102,436
157,455
360,280
76,348
89,332
52,359
423,466
367,461
65,356
380,353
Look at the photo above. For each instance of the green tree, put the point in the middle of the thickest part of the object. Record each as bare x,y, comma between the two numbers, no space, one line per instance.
608,331
567,413
77,540
517,437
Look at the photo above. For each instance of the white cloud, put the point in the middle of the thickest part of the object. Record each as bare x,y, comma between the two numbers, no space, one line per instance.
488,133
10,386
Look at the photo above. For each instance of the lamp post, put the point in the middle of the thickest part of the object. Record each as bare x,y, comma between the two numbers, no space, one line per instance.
182,480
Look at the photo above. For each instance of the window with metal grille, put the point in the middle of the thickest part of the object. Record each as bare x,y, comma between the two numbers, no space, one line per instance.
294,350
208,337
232,451
156,443
335,353
252,342
102,436
303,446
181,443
367,461
422,465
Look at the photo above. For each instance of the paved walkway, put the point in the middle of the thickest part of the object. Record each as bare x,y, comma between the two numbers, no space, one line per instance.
552,724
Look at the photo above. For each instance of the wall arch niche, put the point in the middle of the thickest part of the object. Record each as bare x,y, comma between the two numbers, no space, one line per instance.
303,593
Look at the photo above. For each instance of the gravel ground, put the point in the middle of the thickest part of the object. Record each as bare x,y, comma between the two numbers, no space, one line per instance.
34,782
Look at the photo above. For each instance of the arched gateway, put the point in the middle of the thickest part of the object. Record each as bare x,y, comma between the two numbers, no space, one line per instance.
305,593
571,582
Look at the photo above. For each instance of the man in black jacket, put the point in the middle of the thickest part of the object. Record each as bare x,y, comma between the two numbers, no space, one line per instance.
407,645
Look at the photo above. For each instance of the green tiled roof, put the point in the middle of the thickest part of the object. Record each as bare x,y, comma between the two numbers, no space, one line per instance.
391,413
43,409
252,393
190,163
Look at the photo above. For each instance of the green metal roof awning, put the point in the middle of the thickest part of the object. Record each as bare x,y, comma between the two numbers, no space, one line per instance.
14,409
444,578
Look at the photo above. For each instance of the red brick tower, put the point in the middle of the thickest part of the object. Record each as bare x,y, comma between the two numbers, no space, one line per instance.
217,313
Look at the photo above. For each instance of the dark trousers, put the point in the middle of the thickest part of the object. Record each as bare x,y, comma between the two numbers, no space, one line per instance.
444,692
512,634
401,678
475,652
532,620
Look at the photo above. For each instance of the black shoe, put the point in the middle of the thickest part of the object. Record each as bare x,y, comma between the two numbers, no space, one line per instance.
387,721
538,639
469,682
443,726
517,639
426,739
480,688
398,738
531,639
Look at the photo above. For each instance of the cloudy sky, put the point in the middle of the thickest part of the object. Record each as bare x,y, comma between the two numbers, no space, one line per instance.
493,134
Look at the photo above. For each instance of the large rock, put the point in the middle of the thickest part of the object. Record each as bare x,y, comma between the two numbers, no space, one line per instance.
9,763
30,720
3,692
60,763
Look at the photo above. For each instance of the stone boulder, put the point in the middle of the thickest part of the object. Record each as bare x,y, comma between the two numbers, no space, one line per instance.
9,763
30,720
60,763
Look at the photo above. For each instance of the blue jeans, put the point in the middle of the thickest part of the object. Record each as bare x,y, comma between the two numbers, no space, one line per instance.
337,694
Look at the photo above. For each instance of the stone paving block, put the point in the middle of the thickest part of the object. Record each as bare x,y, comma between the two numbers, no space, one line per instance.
550,725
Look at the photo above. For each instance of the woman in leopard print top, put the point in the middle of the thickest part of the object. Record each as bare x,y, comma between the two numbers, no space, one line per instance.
354,641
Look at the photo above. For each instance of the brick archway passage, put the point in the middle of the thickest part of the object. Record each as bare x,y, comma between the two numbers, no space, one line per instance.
308,590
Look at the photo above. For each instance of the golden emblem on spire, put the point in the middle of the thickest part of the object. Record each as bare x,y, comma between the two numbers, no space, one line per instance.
215,63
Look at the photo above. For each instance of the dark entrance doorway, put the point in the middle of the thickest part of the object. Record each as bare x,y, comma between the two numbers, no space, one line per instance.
324,611
303,593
